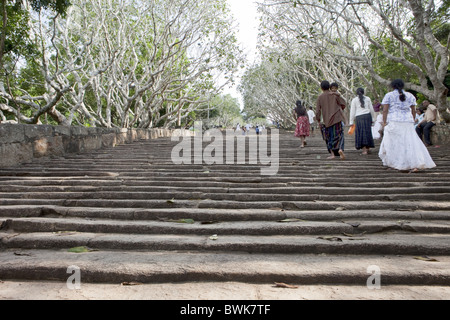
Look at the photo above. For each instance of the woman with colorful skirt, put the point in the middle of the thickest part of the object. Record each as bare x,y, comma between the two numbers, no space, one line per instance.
302,129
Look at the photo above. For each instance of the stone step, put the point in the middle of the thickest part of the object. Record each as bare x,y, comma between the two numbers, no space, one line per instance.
208,214
226,204
102,191
393,243
182,267
173,195
289,168
212,182
214,200
190,226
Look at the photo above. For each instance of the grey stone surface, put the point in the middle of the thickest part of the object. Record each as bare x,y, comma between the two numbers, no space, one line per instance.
50,141
127,204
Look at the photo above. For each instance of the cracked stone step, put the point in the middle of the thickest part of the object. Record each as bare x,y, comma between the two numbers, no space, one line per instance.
12,191
174,195
164,267
24,211
224,204
385,243
207,227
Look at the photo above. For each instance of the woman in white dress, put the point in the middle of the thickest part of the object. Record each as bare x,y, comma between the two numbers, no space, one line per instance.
401,149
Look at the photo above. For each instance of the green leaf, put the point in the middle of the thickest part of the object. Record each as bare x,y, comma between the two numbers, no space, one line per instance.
189,221
81,249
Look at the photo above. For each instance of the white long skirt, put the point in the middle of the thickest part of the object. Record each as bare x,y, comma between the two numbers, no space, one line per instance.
402,148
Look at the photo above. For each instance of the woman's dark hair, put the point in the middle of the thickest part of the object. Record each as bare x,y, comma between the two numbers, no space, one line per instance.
398,85
300,109
334,84
360,93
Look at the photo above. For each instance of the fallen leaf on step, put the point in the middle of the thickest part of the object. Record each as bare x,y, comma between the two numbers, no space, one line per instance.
189,221
340,209
171,200
131,284
352,235
64,233
284,285
330,238
81,249
214,237
426,258
353,224
290,220
22,254
347,234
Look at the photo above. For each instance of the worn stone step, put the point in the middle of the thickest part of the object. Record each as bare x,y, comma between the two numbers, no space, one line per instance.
175,195
212,172
357,227
223,204
207,214
176,267
14,191
383,243
213,182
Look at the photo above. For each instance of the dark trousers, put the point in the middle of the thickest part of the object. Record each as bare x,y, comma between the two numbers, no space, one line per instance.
424,131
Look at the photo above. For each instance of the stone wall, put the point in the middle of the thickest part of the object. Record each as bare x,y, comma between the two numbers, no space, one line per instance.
440,134
21,143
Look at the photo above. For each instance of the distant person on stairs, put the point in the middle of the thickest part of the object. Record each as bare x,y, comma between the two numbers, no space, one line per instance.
311,116
302,128
429,120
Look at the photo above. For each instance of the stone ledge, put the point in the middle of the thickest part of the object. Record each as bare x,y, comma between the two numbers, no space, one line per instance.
21,143
440,134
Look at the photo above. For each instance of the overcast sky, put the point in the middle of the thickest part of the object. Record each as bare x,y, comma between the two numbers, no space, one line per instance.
245,13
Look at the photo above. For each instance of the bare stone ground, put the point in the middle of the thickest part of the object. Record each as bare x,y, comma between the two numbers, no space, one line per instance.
232,291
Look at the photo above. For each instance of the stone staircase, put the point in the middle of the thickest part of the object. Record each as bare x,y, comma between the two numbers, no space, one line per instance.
134,216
